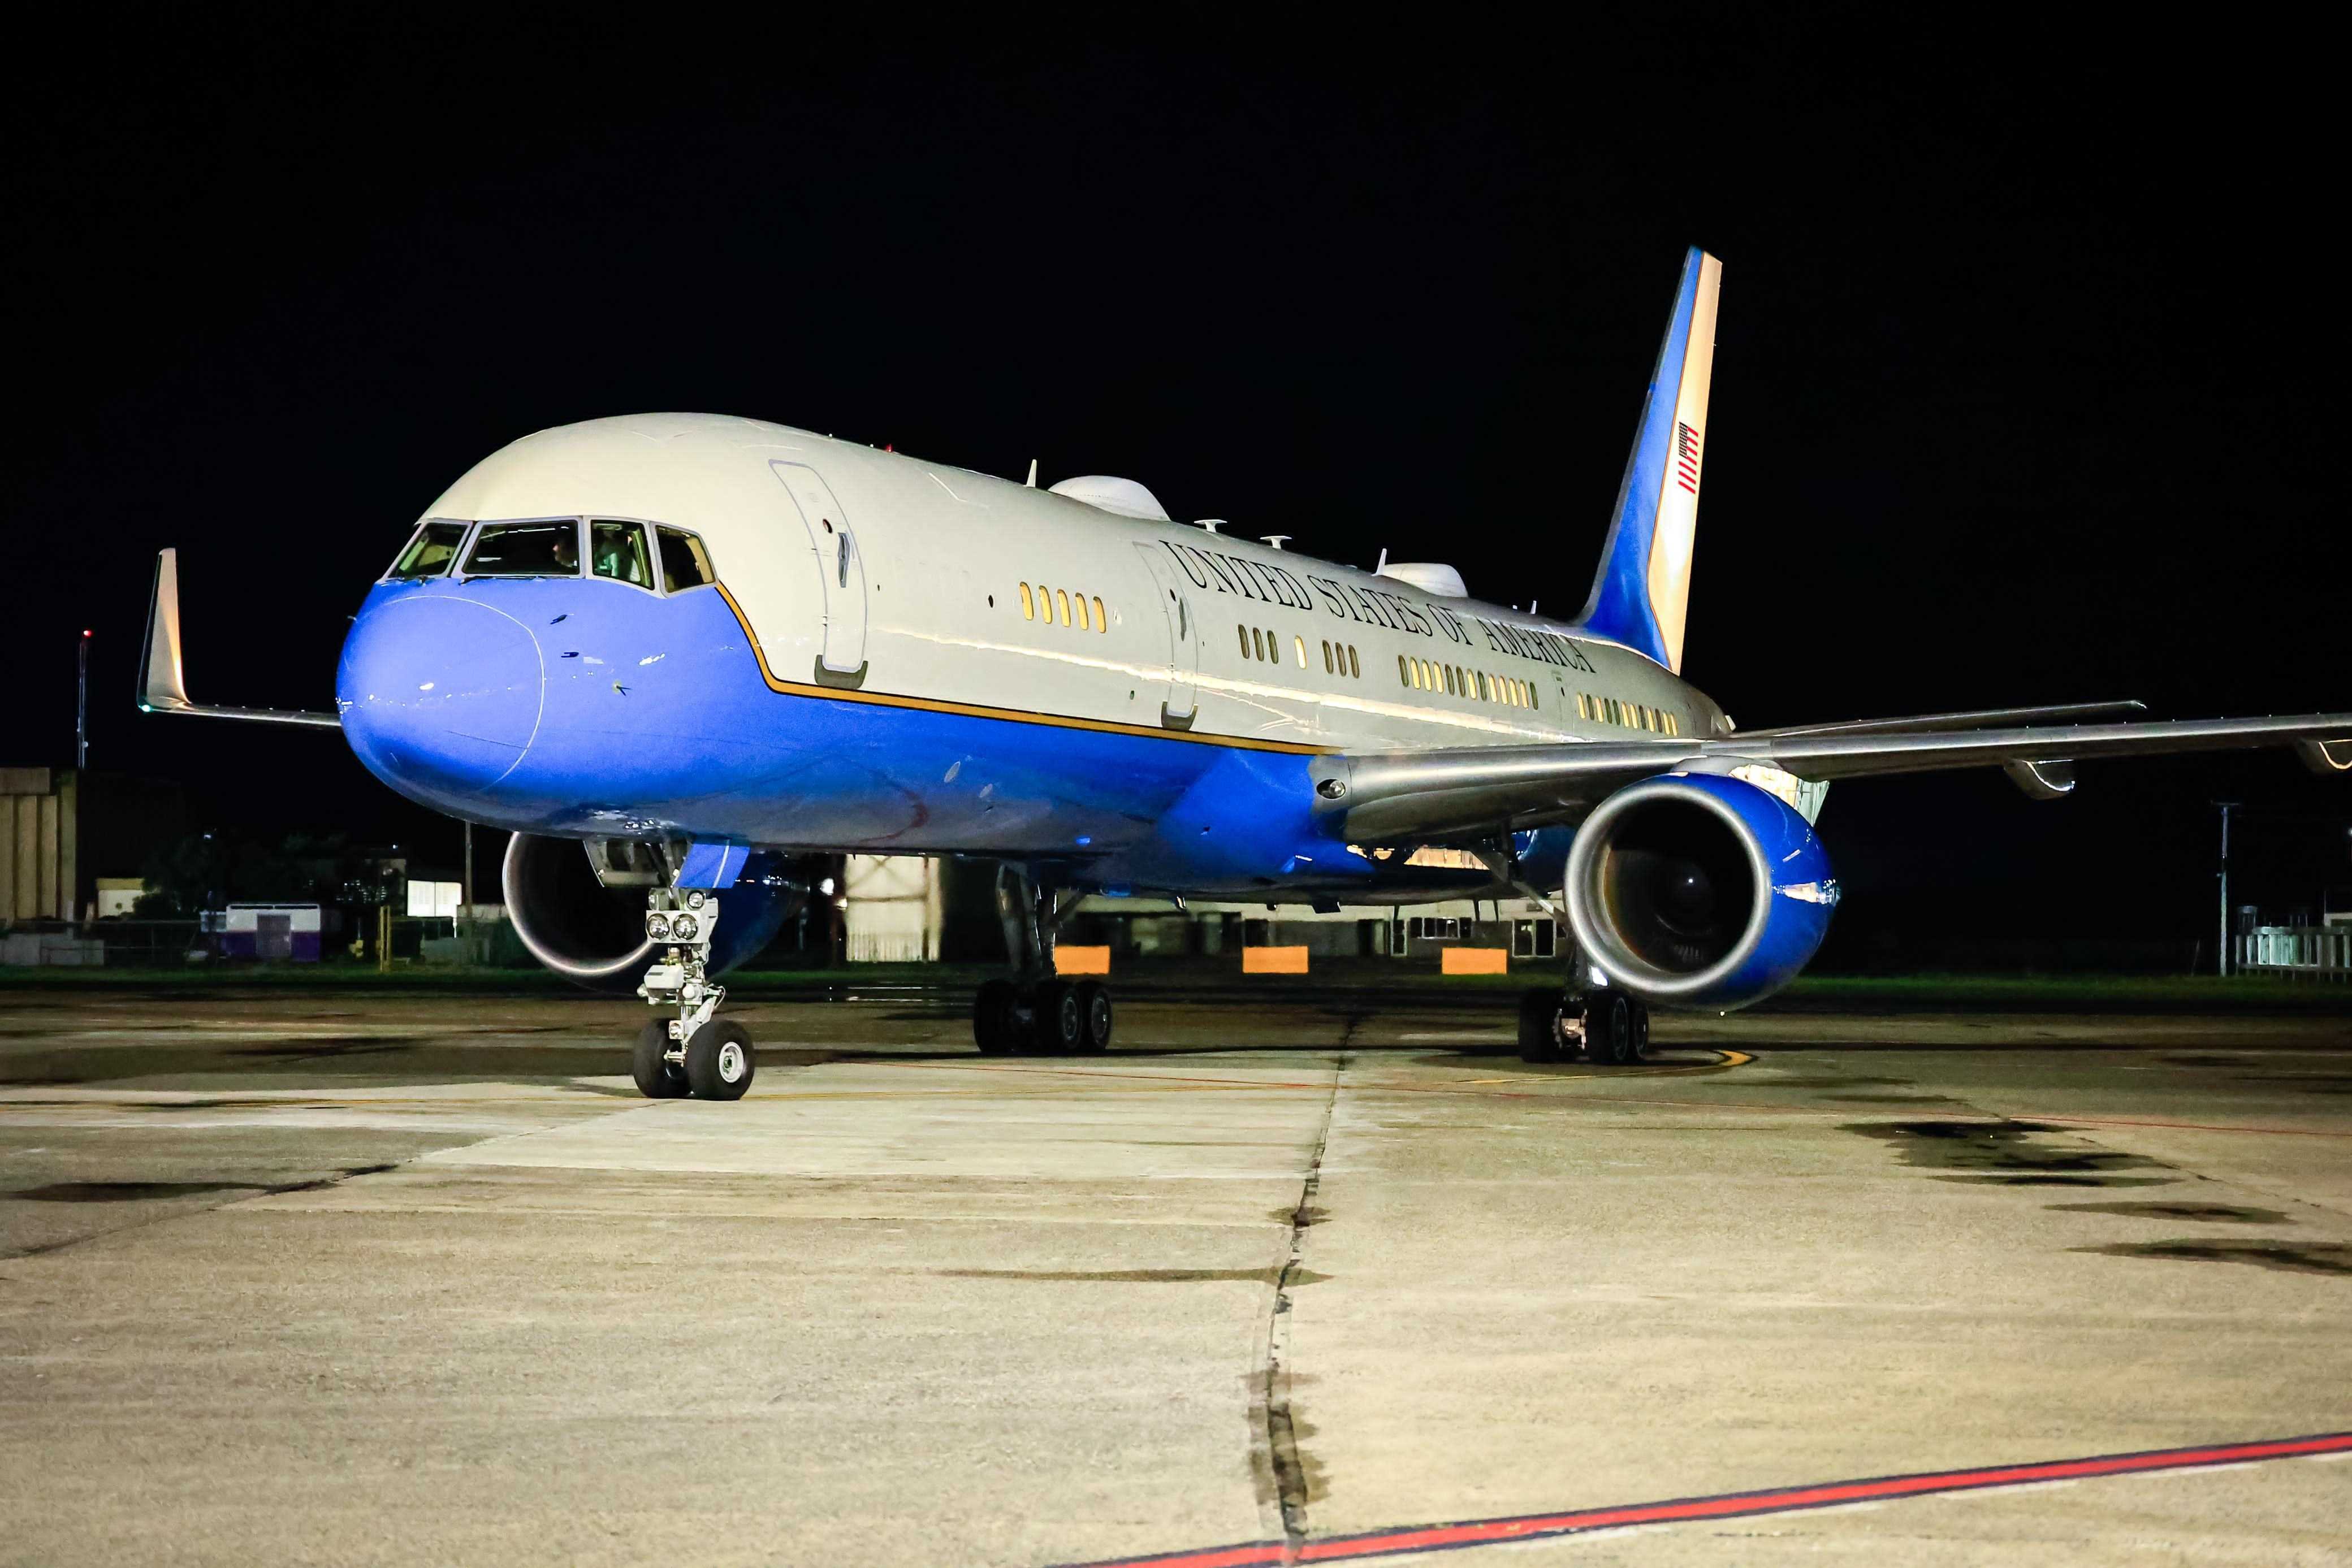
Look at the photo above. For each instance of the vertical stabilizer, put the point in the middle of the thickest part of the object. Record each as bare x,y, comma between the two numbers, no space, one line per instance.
1641,594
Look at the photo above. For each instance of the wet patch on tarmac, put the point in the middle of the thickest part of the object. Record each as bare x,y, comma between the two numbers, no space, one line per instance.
325,1045
126,1191
2212,1213
2008,1152
1137,1275
1893,1099
1832,1082
2319,1259
147,1191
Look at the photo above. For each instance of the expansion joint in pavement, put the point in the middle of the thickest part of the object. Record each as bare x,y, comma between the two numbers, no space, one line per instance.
1288,1466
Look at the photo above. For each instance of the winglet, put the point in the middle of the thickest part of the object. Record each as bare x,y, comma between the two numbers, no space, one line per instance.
163,681
163,685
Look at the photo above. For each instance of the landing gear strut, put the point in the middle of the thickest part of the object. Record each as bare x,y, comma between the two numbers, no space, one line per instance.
1034,1011
695,1052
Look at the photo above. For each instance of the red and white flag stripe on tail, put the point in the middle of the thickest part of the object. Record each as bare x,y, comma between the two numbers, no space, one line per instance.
1686,457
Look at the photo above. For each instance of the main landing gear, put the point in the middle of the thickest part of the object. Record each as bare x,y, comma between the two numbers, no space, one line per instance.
693,1053
1605,1026
1032,1012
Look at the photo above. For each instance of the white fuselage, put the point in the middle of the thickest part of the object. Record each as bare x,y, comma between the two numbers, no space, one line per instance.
962,589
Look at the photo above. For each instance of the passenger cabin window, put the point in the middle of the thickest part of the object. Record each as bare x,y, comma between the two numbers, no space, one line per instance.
526,549
618,551
683,562
430,552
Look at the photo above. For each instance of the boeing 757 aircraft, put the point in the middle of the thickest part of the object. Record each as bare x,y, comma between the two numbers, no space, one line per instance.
671,651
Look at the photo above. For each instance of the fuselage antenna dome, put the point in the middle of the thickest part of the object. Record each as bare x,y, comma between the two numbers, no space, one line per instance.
1120,497
1429,576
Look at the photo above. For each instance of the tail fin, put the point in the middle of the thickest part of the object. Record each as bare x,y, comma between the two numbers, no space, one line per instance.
1642,591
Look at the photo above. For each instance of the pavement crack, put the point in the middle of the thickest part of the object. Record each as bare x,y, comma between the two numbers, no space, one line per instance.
1285,1461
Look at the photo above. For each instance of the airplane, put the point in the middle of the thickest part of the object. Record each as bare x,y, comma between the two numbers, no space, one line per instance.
671,653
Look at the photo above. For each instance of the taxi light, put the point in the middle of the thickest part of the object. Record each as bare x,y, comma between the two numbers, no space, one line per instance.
658,927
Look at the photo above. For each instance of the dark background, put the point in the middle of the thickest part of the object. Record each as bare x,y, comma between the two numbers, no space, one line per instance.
2024,390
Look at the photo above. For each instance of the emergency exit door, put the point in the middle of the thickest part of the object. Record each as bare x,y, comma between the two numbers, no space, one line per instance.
839,566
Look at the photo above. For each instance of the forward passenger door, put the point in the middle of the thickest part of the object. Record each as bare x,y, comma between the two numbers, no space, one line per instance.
1177,708
839,566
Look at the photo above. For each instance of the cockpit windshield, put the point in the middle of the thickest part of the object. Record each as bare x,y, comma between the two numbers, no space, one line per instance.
685,564
618,551
430,552
526,549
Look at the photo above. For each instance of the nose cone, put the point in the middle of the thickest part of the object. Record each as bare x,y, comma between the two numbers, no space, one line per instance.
440,696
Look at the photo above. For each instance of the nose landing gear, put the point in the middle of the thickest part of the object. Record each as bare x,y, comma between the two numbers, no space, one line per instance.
693,1053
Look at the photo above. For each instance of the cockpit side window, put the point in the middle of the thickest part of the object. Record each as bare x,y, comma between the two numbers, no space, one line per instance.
617,550
683,562
429,553
526,549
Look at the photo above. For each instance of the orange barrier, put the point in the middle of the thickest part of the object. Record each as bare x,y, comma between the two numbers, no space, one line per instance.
1474,961
1273,960
1081,960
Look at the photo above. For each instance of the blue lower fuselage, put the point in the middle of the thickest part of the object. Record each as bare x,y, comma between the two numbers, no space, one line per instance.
593,709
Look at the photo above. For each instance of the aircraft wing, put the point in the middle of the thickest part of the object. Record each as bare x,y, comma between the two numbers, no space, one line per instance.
1982,718
1397,794
162,679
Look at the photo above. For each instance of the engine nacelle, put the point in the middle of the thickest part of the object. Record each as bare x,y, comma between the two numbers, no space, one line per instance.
1699,890
594,933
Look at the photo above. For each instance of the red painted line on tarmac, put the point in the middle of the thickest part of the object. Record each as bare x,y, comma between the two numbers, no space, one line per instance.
1412,1538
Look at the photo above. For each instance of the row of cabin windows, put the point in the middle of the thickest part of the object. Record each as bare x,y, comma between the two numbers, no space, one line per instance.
1051,604
1338,658
1268,645
1454,681
1632,715
620,550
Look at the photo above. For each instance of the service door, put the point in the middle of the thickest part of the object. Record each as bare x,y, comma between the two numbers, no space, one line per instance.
1183,637
839,566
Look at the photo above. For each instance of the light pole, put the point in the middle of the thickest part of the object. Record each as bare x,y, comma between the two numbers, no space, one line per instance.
81,707
2222,957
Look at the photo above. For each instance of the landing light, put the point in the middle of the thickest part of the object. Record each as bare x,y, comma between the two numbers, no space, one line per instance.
658,927
684,927
695,898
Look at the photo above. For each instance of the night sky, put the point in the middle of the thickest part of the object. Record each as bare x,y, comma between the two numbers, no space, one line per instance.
2024,390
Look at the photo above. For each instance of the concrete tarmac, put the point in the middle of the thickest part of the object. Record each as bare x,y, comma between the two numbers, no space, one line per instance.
408,1279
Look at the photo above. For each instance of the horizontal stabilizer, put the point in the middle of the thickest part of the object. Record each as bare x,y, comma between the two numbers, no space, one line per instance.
164,682
2326,757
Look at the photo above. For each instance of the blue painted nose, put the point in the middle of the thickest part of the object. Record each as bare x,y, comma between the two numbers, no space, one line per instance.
440,696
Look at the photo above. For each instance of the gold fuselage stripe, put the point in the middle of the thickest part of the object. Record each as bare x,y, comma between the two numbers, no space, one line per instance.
976,710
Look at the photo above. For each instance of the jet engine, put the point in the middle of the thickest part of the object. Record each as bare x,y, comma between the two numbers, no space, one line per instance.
581,908
1699,890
